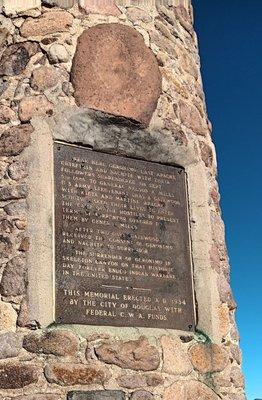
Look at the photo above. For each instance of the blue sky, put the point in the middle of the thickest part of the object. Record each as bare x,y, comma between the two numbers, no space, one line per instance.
230,39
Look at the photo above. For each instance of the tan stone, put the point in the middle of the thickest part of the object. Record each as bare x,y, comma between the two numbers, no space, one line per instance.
103,7
191,118
113,71
17,375
44,78
175,357
19,6
189,390
6,114
237,377
8,317
206,154
134,354
75,374
34,106
134,381
10,345
209,357
57,342
45,396
136,15
14,140
224,319
49,22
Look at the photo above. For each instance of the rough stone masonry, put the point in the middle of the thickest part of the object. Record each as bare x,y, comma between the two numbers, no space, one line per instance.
129,67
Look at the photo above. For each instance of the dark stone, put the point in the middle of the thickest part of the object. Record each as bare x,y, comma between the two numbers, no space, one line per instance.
16,57
97,395
14,140
17,375
6,226
12,192
14,279
57,342
75,374
5,246
115,72
3,86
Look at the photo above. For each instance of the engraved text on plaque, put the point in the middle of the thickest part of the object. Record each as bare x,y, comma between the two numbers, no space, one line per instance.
122,253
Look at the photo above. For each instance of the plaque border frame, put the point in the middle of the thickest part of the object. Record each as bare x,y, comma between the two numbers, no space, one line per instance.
96,131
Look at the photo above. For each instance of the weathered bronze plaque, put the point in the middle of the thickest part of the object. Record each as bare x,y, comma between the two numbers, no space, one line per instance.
122,241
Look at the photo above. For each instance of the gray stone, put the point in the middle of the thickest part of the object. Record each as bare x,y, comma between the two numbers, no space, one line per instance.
65,4
14,279
45,396
97,395
5,246
142,395
17,209
12,192
10,345
58,54
18,170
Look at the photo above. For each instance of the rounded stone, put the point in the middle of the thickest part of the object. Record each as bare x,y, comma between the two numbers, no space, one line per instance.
115,72
58,54
34,106
18,170
44,78
189,390
208,358
57,342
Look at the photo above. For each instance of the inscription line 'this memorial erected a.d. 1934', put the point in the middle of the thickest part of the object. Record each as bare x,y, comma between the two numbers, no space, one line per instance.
122,254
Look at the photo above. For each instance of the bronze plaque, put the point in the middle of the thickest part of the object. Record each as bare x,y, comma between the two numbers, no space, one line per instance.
122,253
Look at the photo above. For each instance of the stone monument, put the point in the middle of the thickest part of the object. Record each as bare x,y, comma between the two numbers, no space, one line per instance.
114,282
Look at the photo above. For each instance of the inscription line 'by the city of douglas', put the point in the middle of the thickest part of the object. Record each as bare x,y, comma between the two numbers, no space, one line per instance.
122,253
